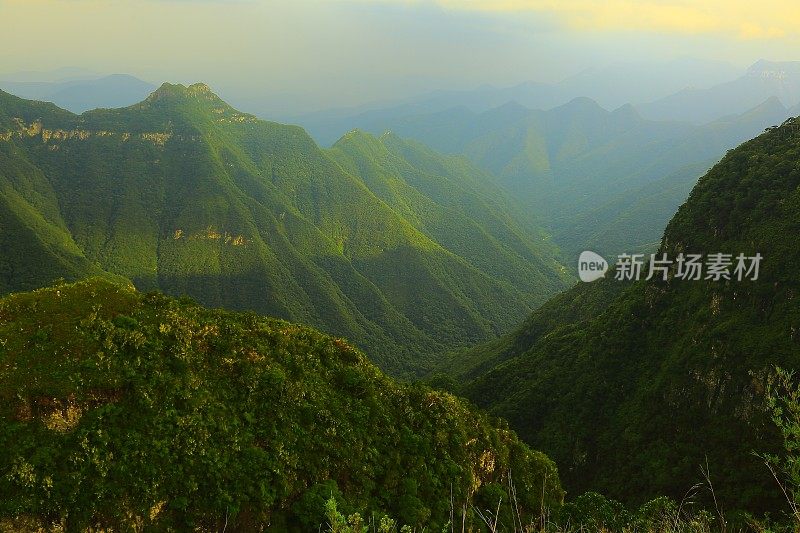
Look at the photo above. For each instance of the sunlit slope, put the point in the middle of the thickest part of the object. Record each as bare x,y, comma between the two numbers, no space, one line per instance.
183,193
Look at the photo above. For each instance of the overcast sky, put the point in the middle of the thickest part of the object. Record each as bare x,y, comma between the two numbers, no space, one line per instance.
323,53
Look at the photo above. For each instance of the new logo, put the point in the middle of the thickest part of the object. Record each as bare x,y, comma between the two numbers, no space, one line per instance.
591,266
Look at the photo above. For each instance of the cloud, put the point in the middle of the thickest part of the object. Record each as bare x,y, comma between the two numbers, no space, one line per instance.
742,19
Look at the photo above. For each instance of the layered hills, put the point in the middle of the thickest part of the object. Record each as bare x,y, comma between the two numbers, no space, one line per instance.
762,80
596,179
183,193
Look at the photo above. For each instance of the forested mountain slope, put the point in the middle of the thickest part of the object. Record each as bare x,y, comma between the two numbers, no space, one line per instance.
631,389
459,206
183,193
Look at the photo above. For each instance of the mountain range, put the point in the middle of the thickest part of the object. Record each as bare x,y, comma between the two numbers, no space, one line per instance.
377,240
607,181
763,80
415,244
596,179
611,86
689,90
645,159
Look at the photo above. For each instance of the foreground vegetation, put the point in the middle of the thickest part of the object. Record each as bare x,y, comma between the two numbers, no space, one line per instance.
121,410
127,411
593,512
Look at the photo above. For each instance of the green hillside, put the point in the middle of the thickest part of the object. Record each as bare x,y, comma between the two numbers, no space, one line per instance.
603,180
632,388
128,411
183,193
459,206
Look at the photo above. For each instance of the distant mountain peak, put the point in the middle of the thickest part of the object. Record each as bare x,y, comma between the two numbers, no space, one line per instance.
581,105
177,90
627,111
583,101
771,110
196,100
773,102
